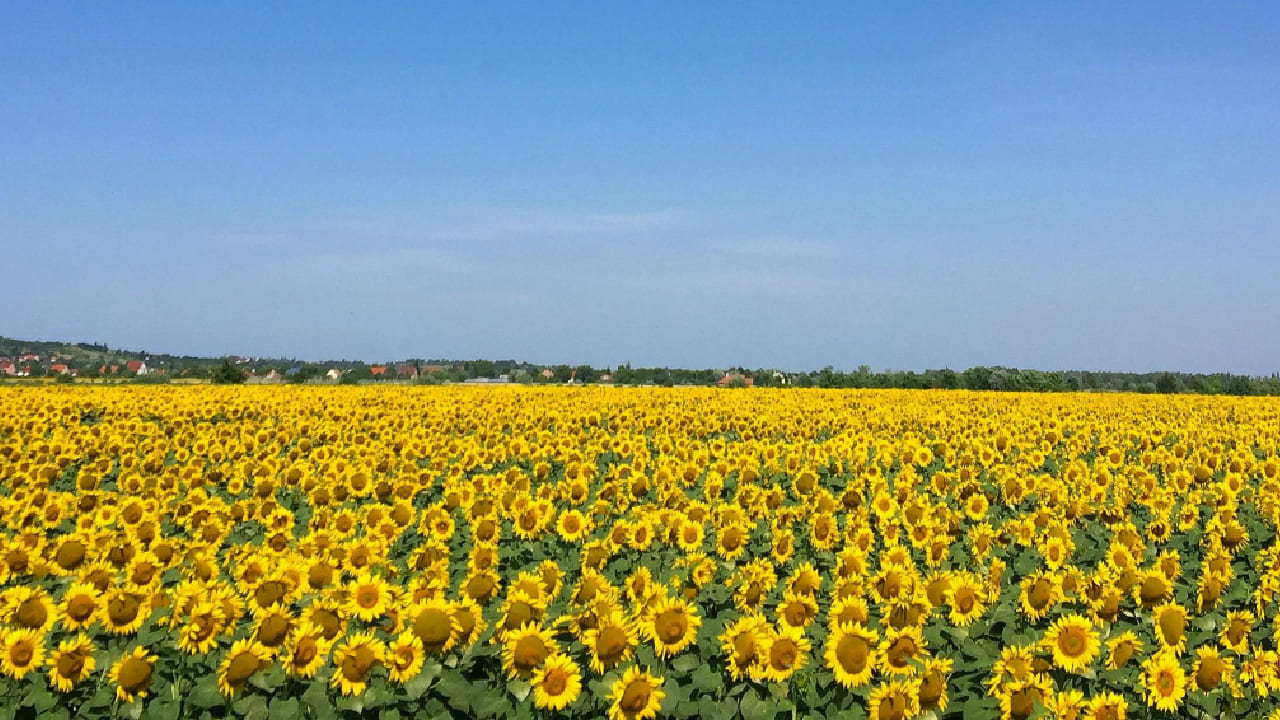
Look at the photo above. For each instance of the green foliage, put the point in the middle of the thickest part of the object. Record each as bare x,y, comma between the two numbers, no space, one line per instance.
227,374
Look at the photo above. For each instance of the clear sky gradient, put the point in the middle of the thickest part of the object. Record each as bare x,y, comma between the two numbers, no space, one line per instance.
904,185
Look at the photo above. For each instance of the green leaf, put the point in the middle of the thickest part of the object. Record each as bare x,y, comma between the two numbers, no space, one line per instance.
686,664
706,680
519,689
283,709
251,707
420,684
40,698
455,690
206,694
317,701
269,679
754,707
491,704
163,709
352,703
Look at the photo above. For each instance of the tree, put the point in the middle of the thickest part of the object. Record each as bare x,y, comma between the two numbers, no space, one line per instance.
1239,385
227,374
480,369
1166,383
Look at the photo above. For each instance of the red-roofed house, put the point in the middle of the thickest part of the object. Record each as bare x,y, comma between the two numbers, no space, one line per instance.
136,367
378,370
407,371
8,367
59,368
731,377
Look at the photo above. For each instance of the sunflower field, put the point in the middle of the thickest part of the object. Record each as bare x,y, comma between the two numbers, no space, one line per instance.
329,552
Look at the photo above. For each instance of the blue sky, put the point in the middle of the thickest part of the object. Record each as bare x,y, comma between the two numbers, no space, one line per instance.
904,185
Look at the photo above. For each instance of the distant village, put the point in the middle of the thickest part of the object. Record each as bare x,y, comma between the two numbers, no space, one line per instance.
84,367
39,361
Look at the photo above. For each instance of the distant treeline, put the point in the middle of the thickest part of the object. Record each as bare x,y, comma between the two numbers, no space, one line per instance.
88,359
1014,380
975,378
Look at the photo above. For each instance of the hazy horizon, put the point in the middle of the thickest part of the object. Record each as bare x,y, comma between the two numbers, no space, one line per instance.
925,186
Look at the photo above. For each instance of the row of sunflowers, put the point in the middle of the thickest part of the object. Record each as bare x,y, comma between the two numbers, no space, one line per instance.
310,552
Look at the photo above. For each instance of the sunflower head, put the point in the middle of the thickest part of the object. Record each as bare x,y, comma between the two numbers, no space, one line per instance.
72,663
611,642
1163,681
851,654
785,652
245,658
636,695
672,626
1073,643
556,684
132,674
526,649
23,651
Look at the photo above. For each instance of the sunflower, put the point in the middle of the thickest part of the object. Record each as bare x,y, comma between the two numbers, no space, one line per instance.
573,526
851,654
893,700
1067,704
1236,629
481,585
557,684
611,642
639,585
526,649
72,663
806,580
306,652
731,541
551,577
328,616
354,660
937,587
122,612
797,610
405,657
79,606
434,624
1152,589
369,597
1019,698
245,658
672,627
29,608
931,687
1121,648
23,651
1073,642
899,648
966,596
521,607
470,622
785,652
1212,669
1171,623
636,695
1106,706
689,536
1163,681
132,674
1040,592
